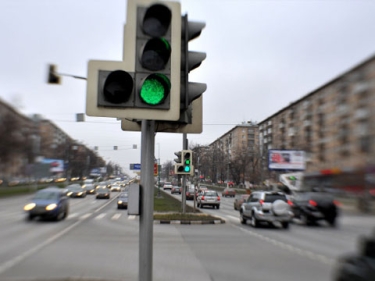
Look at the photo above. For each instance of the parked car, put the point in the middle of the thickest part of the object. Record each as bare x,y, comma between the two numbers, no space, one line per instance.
167,185
266,206
228,192
176,189
239,200
122,200
208,198
311,207
75,191
103,193
50,202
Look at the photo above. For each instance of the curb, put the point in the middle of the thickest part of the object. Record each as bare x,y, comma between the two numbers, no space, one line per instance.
188,222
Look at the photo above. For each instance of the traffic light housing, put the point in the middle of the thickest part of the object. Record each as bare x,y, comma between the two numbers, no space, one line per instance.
53,77
191,107
184,162
146,84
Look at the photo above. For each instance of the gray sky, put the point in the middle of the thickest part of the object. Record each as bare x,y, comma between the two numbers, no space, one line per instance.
261,55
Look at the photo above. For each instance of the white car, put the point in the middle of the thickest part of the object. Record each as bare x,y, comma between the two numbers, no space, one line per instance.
167,185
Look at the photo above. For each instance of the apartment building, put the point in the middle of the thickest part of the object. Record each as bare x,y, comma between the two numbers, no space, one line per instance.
334,125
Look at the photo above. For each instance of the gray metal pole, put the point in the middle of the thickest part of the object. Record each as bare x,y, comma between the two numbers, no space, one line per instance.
147,201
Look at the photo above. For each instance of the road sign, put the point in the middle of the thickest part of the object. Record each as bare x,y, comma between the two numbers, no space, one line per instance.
135,166
155,169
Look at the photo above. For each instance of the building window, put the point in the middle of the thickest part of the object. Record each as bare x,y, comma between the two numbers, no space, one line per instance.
365,144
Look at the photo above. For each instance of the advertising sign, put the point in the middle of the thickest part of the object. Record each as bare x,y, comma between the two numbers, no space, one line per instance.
286,160
56,165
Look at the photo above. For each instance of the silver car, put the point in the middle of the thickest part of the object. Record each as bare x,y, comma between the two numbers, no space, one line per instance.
266,206
208,198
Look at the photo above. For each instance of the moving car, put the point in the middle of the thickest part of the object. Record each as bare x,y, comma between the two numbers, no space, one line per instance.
208,198
357,266
75,190
50,202
116,187
167,185
122,200
190,193
266,206
311,207
89,188
228,192
103,193
239,200
176,189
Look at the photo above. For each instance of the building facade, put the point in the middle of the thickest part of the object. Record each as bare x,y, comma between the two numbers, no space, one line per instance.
334,125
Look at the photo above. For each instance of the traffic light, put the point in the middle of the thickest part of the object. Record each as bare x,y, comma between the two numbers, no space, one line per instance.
146,85
53,77
184,162
190,91
178,167
191,108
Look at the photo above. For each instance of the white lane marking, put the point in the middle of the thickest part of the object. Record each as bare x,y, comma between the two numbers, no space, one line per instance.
85,216
236,219
18,259
291,248
131,217
70,216
116,216
100,216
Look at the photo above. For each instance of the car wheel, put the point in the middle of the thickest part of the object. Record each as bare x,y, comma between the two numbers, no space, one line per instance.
332,221
305,220
242,219
279,207
218,206
254,221
285,225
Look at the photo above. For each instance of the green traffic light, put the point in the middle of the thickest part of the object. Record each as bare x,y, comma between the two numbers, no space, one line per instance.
155,89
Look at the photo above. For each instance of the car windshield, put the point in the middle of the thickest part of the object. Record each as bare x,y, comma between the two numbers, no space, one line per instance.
102,190
210,193
46,195
74,188
270,198
123,195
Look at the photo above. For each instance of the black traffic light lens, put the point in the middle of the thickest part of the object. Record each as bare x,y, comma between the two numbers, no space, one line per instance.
118,87
157,20
155,89
156,54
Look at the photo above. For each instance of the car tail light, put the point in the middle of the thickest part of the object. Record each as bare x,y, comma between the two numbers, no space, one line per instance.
337,203
290,203
261,202
202,198
218,198
313,203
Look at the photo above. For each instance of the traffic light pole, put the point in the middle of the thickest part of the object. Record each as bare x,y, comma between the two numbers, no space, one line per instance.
147,201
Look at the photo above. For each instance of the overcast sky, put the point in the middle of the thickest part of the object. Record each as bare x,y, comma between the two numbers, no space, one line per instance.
261,56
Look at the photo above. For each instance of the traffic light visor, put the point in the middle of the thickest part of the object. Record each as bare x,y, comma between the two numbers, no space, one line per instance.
157,20
118,87
155,89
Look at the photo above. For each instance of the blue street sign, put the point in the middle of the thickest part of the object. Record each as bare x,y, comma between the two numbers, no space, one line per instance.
135,166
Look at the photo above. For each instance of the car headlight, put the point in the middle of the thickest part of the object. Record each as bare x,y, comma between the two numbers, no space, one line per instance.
119,202
79,193
50,207
29,206
69,193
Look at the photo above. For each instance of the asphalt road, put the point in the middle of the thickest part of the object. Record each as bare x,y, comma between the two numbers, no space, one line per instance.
99,242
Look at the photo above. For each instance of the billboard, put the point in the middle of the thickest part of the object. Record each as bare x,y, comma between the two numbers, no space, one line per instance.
56,165
286,160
